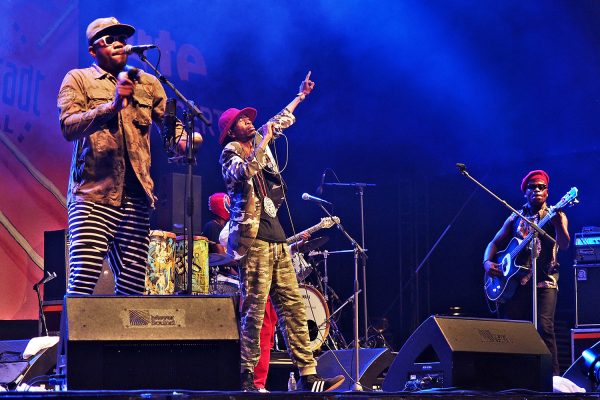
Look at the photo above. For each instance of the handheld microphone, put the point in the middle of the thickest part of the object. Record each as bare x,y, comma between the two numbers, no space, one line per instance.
461,167
139,49
308,197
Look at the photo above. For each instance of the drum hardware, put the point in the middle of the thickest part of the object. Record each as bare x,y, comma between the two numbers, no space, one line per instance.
335,333
318,253
312,244
302,268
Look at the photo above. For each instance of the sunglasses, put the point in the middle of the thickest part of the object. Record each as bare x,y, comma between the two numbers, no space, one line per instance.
108,40
540,186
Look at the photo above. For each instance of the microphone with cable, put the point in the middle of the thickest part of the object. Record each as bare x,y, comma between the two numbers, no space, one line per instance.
138,49
308,197
133,74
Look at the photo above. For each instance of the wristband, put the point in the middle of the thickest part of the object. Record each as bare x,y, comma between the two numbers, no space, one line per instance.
301,95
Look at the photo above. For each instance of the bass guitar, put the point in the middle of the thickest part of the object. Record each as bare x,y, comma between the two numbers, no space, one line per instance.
326,222
502,288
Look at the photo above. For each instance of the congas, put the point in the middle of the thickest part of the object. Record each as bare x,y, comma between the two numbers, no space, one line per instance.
200,273
160,271
317,316
301,266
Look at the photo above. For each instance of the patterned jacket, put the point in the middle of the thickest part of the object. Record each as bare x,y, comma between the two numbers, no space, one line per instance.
87,118
238,170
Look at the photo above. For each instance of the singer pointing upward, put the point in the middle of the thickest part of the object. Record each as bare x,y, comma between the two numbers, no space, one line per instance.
257,239
108,117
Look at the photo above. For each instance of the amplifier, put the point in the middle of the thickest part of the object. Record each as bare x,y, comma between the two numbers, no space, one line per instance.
587,247
587,295
582,339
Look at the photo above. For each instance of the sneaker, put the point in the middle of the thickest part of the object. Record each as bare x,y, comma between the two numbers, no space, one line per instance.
314,383
247,381
263,390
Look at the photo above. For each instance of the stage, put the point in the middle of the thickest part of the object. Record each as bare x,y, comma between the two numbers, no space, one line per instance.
192,395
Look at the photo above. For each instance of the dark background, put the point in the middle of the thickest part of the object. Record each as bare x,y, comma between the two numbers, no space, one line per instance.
404,90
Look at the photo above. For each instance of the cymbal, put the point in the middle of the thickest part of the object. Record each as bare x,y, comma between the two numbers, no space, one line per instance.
216,259
313,244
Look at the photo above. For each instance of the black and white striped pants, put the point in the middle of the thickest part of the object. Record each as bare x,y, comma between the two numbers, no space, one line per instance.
97,230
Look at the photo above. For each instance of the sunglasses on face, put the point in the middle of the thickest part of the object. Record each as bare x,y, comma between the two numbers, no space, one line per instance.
540,186
108,40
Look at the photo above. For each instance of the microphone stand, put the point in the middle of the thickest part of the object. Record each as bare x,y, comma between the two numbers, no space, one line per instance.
538,231
361,188
190,114
356,386
42,318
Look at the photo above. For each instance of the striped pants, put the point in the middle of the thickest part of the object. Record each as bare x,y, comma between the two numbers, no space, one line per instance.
97,230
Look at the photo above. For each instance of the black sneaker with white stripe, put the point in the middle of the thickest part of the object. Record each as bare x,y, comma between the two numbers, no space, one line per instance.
247,381
314,383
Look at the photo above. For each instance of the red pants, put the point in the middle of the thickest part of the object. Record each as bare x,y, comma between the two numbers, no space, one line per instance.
267,339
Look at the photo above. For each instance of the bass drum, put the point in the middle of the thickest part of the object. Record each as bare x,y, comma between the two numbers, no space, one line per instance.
317,316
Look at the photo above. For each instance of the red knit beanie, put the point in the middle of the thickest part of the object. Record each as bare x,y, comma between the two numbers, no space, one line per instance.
218,204
536,174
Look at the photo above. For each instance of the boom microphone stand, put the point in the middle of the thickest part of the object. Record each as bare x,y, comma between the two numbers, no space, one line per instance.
356,386
190,114
48,276
538,231
361,190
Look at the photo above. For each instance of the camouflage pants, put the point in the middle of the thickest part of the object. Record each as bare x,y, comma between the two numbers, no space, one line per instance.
267,270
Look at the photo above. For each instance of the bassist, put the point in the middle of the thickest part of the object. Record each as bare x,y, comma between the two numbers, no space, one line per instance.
519,307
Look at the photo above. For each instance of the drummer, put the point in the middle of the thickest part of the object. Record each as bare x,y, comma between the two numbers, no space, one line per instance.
218,205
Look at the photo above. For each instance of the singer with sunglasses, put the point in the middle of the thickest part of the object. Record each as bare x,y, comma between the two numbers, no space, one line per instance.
519,307
107,111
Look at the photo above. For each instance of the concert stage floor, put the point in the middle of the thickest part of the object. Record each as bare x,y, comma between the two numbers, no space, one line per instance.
193,395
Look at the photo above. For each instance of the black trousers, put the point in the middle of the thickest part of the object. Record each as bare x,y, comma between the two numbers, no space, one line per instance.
520,308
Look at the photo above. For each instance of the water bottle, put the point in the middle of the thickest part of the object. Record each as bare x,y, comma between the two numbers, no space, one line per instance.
291,382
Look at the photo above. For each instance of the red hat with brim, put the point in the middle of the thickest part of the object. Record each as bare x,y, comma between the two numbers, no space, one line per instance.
536,174
230,115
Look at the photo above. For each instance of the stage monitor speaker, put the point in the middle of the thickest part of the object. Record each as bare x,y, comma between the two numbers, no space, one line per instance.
585,371
15,370
56,259
150,342
170,209
587,295
372,365
470,353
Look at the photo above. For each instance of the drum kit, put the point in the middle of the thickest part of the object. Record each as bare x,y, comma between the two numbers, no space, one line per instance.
216,274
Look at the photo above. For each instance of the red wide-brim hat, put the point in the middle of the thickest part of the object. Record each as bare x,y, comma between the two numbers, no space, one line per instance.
229,116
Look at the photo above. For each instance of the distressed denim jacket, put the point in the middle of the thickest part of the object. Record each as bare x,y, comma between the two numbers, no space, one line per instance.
99,133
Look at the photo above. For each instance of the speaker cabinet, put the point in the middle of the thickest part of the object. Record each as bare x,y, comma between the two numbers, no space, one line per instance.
585,371
587,295
480,354
56,259
372,364
148,342
582,339
170,209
